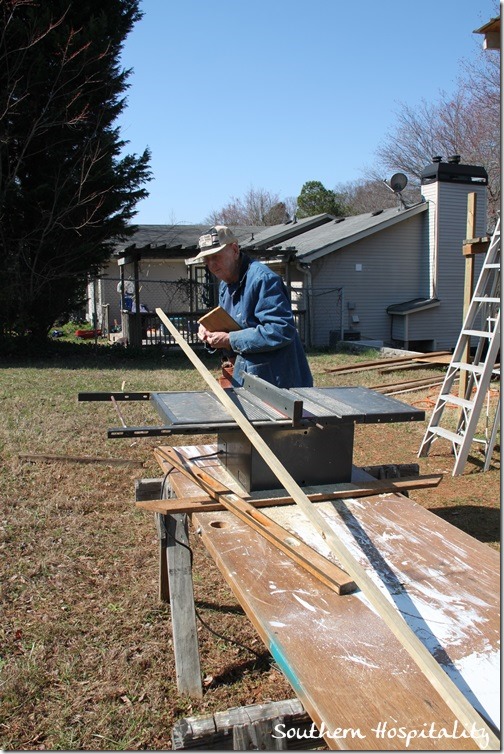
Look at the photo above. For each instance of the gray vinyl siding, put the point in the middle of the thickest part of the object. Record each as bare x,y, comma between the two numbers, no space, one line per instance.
392,271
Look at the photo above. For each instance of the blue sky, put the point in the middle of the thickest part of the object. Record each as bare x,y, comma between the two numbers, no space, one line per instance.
268,94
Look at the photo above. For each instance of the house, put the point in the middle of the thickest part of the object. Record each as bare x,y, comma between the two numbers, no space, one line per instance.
395,276
491,31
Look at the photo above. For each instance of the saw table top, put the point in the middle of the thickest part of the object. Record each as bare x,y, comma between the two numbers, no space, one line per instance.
343,663
330,404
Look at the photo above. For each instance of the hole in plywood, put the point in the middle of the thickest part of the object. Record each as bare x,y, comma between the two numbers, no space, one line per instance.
219,524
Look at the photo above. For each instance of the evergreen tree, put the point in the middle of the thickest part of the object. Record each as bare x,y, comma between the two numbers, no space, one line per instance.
67,191
315,199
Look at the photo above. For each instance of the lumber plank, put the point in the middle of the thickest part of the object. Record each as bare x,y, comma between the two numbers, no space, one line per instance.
346,490
391,387
325,571
152,489
215,731
78,459
471,720
218,320
258,736
380,363
183,617
354,671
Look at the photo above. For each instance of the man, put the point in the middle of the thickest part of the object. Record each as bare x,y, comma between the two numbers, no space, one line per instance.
268,345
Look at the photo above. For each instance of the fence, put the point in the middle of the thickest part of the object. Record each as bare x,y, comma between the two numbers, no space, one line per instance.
171,296
326,316
319,313
146,329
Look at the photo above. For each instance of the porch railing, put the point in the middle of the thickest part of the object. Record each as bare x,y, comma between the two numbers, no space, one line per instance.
146,329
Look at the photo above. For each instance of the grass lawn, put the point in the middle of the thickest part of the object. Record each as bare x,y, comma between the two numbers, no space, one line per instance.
86,658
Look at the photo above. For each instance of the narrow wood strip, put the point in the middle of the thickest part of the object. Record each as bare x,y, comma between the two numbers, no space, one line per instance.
473,723
204,503
324,570
380,363
407,384
78,459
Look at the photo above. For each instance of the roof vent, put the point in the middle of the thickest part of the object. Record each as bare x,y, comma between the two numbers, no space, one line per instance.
437,159
339,220
454,159
376,212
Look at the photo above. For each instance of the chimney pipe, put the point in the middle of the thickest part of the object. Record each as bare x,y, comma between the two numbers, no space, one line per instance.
437,159
454,159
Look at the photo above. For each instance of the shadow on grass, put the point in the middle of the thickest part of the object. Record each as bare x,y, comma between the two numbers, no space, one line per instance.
480,522
21,354
231,609
235,671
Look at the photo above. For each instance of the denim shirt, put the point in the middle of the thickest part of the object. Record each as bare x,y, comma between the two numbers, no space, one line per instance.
269,345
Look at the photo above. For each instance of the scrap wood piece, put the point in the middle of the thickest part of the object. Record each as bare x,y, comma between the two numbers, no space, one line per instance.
203,503
215,731
380,363
437,357
405,385
78,459
476,727
324,570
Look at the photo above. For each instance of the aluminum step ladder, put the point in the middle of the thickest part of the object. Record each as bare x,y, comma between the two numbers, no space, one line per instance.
482,322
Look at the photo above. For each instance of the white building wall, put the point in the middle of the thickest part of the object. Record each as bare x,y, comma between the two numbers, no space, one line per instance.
447,232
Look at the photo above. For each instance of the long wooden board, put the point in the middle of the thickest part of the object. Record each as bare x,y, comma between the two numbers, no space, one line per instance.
380,363
342,661
78,459
472,722
205,503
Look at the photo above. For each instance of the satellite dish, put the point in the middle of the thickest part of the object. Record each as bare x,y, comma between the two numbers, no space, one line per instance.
398,182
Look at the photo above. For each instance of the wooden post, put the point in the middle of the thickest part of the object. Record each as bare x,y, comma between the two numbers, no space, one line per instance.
470,719
468,285
151,489
183,615
176,587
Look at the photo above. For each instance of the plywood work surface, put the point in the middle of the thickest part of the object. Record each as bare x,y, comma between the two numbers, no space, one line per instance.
352,675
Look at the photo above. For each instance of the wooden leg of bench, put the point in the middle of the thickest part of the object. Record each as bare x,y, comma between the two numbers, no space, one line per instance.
183,614
152,489
164,585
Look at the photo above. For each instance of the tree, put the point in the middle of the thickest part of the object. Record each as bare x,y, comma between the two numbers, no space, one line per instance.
66,193
257,207
315,199
370,195
466,123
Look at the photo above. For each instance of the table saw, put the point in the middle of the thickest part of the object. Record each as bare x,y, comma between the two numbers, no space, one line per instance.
310,430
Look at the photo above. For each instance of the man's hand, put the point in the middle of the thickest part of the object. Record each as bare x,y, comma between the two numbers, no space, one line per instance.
214,339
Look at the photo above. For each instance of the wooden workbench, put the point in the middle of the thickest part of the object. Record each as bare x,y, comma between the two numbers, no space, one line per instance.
352,675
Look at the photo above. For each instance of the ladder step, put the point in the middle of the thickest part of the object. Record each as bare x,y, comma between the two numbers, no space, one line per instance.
475,368
478,333
487,299
452,436
492,266
455,400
